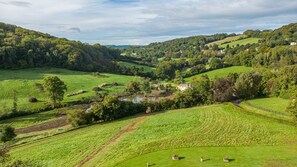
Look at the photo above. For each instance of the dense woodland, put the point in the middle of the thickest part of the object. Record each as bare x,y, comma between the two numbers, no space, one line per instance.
22,48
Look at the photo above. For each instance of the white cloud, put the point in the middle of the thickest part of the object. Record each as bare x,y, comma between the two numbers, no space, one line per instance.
144,21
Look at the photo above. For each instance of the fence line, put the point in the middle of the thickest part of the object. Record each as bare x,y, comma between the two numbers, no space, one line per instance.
267,110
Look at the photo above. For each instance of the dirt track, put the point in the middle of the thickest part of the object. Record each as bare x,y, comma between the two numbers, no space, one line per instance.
117,136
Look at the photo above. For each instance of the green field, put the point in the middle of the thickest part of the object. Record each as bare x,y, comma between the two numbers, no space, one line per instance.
69,148
23,81
213,132
228,39
241,42
258,156
273,103
128,64
220,73
38,118
29,120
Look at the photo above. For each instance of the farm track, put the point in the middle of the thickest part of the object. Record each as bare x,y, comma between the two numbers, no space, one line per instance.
114,139
62,121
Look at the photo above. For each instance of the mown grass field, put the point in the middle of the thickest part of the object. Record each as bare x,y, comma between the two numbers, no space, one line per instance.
23,81
228,39
257,155
213,132
241,42
273,103
276,104
220,73
69,148
145,68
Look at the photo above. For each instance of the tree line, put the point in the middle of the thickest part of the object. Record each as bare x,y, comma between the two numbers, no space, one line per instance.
22,48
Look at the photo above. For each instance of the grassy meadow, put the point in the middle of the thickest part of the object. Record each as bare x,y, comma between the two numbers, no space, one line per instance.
129,65
241,42
23,81
67,149
226,40
272,103
258,156
220,73
213,132
29,120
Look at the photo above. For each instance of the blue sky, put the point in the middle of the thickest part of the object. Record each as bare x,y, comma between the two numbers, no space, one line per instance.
145,21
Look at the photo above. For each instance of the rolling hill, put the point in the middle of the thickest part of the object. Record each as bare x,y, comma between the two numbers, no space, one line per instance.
22,48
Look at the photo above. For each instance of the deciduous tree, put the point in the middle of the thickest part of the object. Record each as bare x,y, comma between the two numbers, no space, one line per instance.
54,88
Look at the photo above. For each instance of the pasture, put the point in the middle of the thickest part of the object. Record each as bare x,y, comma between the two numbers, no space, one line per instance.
220,73
68,149
129,65
29,120
24,83
226,40
213,156
241,42
273,103
271,107
213,132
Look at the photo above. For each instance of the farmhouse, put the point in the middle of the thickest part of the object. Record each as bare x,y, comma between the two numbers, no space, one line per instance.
183,87
293,43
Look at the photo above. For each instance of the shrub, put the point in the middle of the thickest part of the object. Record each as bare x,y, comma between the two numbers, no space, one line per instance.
33,100
78,117
7,133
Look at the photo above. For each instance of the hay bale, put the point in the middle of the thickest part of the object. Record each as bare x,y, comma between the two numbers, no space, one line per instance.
226,160
175,157
103,85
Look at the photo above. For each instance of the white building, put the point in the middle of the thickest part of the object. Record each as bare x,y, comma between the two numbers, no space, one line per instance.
183,87
293,43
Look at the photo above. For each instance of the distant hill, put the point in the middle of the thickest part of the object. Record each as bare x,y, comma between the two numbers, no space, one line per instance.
281,36
22,48
180,47
193,46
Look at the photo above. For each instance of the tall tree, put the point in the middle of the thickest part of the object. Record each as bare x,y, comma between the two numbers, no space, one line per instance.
178,77
54,88
224,89
248,85
107,110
